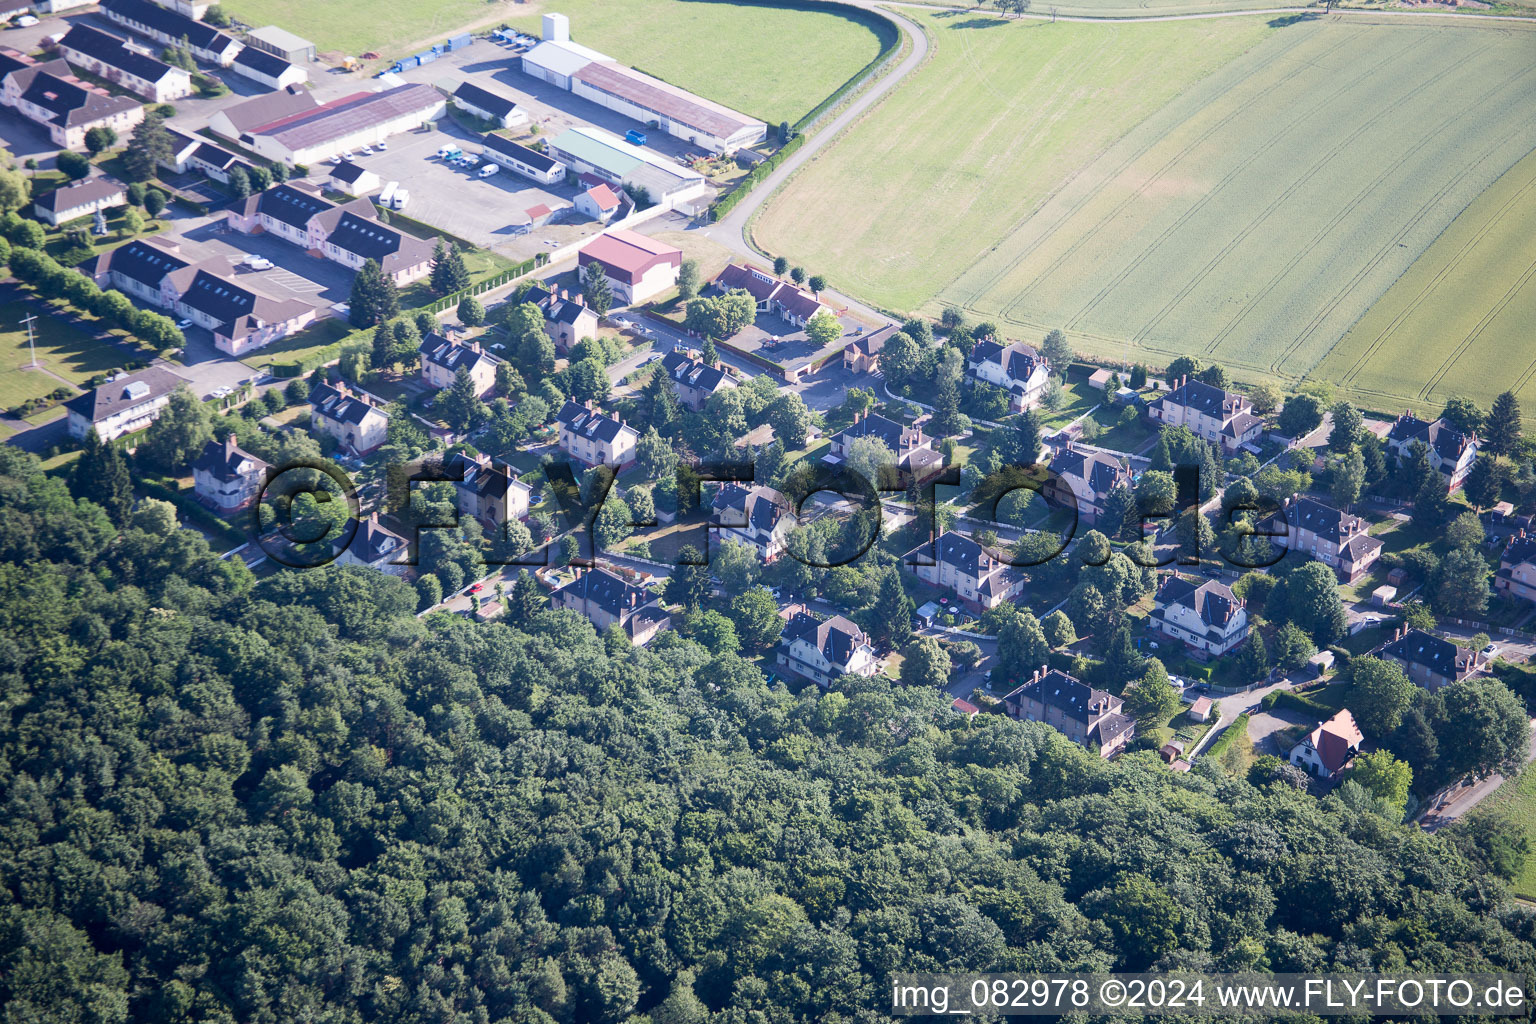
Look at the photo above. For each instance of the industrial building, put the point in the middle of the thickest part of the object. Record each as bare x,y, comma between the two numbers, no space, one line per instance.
619,163
530,163
281,43
490,106
268,69
361,119
599,78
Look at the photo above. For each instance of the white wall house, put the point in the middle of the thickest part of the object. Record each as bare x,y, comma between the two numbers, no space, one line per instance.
122,405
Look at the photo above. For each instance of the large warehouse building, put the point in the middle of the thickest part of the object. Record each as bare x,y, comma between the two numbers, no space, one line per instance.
593,151
351,122
601,79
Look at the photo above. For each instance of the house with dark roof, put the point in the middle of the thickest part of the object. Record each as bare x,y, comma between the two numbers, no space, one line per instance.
353,179
358,237
1083,479
226,477
637,266
1216,415
1329,749
959,564
530,163
822,650
1430,661
1089,717
488,105
140,269
916,458
1516,576
373,546
127,402
693,379
268,69
862,354
606,600
567,319
241,318
1019,369
1451,452
168,28
594,438
1204,614
49,94
756,515
1340,541
442,359
773,296
79,199
354,420
109,56
491,492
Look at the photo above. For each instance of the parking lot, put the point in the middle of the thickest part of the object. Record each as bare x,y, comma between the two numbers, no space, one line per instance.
296,275
461,203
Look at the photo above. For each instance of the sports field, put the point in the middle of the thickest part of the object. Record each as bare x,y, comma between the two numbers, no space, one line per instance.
775,63
1240,188
1462,320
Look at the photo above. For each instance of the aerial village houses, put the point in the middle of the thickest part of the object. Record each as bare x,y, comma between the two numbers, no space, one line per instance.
916,458
1088,717
1517,568
602,80
1428,660
822,650
1218,416
530,163
638,267
1084,479
109,57
756,515
600,202
49,94
241,318
596,439
607,600
694,380
80,199
353,179
1328,749
198,154
1017,368
491,493
959,564
773,296
226,477
169,28
567,319
1451,452
373,546
441,360
1205,615
488,106
1338,540
122,405
352,420
267,69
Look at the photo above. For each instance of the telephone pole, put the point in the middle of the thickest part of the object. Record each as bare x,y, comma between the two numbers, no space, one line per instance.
31,341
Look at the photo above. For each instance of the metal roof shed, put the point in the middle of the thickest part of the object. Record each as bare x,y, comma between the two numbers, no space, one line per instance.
281,42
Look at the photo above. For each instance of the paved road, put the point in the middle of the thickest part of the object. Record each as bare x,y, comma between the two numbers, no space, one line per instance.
1454,805
1202,15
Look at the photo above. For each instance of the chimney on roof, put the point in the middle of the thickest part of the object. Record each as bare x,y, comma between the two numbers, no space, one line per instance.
474,347
373,517
587,404
343,390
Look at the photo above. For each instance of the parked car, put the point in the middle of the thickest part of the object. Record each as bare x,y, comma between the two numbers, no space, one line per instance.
223,391
366,151
489,169
381,146
182,325
258,262
1490,650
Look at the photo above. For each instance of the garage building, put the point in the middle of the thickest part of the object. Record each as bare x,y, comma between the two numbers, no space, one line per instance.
281,43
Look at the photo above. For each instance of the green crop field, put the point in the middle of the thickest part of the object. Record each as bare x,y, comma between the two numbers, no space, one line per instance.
1461,321
1244,188
736,54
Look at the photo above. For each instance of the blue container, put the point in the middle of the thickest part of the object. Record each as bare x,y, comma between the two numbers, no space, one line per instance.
460,41
426,58
635,137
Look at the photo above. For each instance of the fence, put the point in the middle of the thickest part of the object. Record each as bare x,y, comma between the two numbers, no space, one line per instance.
489,284
889,45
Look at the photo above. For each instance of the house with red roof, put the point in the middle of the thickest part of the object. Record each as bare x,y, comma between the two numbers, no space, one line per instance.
600,202
638,267
1327,750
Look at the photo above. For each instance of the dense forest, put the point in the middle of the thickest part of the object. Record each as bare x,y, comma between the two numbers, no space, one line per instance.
290,800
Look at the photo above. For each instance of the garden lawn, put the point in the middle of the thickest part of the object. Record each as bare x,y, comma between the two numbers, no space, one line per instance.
1517,799
63,350
772,62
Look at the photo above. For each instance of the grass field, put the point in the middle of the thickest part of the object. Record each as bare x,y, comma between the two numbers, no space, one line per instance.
1243,189
356,26
771,62
63,350
1517,799
1460,321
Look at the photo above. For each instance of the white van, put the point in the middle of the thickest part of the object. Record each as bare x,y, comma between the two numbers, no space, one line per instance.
387,196
402,196
489,169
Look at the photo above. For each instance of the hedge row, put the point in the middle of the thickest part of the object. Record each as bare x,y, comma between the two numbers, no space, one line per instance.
890,39
726,203
195,511
1287,699
1229,737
